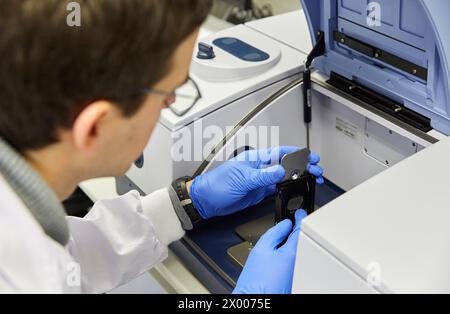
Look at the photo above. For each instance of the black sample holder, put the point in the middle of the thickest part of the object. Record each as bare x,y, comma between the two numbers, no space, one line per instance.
293,195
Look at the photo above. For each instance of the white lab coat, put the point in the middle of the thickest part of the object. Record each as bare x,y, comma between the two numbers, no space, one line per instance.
116,242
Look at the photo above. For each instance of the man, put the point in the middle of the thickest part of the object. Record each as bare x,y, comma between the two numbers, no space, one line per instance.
81,102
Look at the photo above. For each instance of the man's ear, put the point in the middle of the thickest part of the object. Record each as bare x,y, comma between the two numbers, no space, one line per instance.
85,128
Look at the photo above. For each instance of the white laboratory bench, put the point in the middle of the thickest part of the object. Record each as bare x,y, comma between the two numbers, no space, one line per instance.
169,277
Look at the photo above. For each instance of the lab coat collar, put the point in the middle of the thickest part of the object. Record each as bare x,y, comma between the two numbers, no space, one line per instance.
35,193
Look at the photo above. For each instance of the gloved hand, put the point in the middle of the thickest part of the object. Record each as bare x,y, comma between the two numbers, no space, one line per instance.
243,181
269,269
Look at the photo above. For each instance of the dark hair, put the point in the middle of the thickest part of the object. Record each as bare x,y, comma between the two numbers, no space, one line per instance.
49,70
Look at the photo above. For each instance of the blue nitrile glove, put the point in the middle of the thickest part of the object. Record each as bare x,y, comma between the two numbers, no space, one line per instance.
269,269
243,181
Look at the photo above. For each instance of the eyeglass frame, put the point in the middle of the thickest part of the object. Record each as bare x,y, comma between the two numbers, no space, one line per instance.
169,94
176,95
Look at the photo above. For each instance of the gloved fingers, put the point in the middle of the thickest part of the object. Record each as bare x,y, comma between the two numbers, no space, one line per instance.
279,152
261,194
264,157
262,178
314,159
257,196
299,216
276,235
292,241
316,171
273,155
270,191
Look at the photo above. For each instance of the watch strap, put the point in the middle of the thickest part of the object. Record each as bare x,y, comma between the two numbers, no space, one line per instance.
180,187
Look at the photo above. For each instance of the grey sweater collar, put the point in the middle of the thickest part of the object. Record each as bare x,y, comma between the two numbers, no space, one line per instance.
34,192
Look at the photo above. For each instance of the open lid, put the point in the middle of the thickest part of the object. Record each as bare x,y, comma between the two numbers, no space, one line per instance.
399,48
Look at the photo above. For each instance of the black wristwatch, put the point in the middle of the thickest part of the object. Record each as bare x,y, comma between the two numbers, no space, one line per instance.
186,202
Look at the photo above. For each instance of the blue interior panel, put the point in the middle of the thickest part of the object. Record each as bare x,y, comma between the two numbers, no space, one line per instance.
416,31
403,20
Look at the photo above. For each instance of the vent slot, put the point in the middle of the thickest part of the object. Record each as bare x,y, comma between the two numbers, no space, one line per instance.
381,102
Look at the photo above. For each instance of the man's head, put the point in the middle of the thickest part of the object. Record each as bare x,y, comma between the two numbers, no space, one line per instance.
78,89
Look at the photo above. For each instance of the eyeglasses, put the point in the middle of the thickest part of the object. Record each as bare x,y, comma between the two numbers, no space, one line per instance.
185,97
